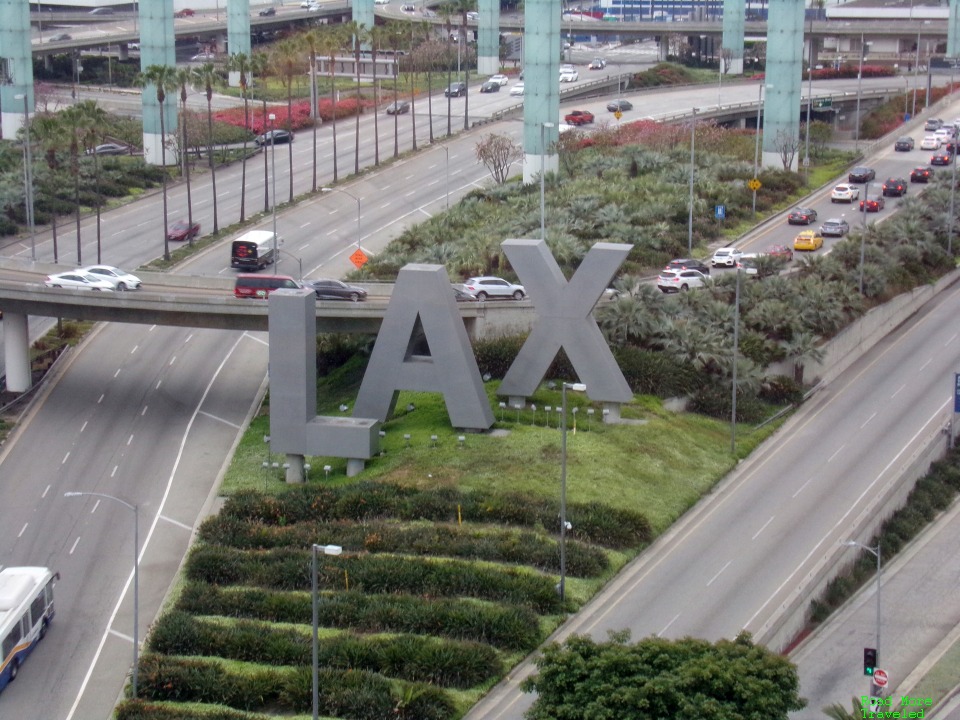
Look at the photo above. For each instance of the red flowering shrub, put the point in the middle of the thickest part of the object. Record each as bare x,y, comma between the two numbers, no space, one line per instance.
298,117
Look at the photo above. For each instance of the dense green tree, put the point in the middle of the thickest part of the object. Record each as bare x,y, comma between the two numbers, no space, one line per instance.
205,77
184,77
288,63
312,42
240,63
663,679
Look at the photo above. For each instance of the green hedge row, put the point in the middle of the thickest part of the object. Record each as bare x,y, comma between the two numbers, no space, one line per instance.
446,663
444,539
140,710
353,694
287,569
592,522
503,626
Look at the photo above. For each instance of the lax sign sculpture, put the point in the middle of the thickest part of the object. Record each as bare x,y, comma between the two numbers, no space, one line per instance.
423,346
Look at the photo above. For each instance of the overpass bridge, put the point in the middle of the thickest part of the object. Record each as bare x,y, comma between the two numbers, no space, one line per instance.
201,302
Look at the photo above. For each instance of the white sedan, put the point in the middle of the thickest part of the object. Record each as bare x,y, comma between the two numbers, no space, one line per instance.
77,280
930,142
121,279
845,193
517,89
500,79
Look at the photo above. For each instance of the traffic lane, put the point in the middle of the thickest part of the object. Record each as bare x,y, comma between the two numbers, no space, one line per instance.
784,481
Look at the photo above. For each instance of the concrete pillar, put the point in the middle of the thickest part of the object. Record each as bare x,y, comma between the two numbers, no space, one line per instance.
16,50
363,15
355,466
732,47
294,468
157,48
488,37
238,34
541,102
123,52
16,353
781,120
953,29
611,412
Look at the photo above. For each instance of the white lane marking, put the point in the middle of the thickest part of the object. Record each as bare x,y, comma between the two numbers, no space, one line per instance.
144,411
897,391
45,491
157,386
666,627
835,453
306,224
130,439
177,523
189,338
412,192
387,204
74,546
719,572
84,426
122,636
757,533
146,544
256,339
22,530
172,360
950,339
95,506
117,372
865,422
113,473
134,349
432,183
218,419
925,364
64,461
100,399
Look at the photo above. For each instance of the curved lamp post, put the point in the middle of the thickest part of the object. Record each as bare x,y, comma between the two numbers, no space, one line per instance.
326,550
136,573
876,552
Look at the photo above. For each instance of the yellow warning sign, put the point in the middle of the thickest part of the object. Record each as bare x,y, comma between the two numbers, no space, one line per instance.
754,184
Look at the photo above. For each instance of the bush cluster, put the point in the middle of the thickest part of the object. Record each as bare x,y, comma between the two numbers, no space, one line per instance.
503,626
355,694
287,569
594,523
932,494
442,662
656,373
437,539
140,710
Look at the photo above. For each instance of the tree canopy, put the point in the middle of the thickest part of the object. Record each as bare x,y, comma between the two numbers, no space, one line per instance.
582,679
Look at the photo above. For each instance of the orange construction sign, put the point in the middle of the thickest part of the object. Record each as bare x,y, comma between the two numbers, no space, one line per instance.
359,258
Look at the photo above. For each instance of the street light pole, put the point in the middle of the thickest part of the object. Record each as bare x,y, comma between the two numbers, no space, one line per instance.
693,139
953,193
356,200
543,154
863,230
326,550
856,130
756,145
273,171
736,340
876,552
136,574
576,387
916,76
806,138
28,176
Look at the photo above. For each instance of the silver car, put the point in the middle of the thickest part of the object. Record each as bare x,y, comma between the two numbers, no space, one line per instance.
493,287
121,279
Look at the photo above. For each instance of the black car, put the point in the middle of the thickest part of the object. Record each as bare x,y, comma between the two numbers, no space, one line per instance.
861,175
274,137
941,157
903,144
337,290
60,37
802,216
457,89
398,108
895,187
620,105
267,12
921,174
489,87
687,264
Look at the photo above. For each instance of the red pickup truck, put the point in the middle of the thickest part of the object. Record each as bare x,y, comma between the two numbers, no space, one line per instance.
578,117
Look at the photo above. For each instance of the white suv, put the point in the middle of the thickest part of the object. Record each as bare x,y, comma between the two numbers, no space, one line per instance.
569,74
493,287
726,256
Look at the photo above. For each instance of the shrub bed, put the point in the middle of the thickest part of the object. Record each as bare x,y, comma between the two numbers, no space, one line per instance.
503,626
290,570
446,663
492,544
354,694
140,710
594,523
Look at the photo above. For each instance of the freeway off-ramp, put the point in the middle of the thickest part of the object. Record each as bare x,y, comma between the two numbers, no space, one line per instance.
148,414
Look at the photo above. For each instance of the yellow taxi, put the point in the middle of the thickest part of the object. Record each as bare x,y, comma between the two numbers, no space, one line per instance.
808,240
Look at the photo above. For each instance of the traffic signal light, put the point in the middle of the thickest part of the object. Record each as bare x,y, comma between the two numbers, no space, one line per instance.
869,661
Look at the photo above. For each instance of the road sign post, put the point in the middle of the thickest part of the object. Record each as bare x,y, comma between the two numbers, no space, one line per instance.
880,678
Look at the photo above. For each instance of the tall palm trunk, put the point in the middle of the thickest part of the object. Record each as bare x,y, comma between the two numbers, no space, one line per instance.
396,96
163,175
213,165
290,130
243,163
376,113
266,174
314,113
466,76
356,148
333,106
186,165
75,168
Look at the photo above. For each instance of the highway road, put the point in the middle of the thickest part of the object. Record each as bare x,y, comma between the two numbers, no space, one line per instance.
149,414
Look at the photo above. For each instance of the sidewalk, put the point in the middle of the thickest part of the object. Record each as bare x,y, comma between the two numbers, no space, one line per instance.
920,625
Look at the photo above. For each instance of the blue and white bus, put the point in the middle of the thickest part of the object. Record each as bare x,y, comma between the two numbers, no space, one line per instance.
26,610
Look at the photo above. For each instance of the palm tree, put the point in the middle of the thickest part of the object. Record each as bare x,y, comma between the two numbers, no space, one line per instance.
463,7
163,79
394,33
240,62
205,77
287,63
312,42
358,35
96,119
427,30
803,348
76,124
184,77
331,42
838,712
446,12
47,130
377,35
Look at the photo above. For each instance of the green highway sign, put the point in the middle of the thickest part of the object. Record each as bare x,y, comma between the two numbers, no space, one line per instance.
823,103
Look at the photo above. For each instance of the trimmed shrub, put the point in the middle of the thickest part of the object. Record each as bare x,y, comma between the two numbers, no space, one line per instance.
502,626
